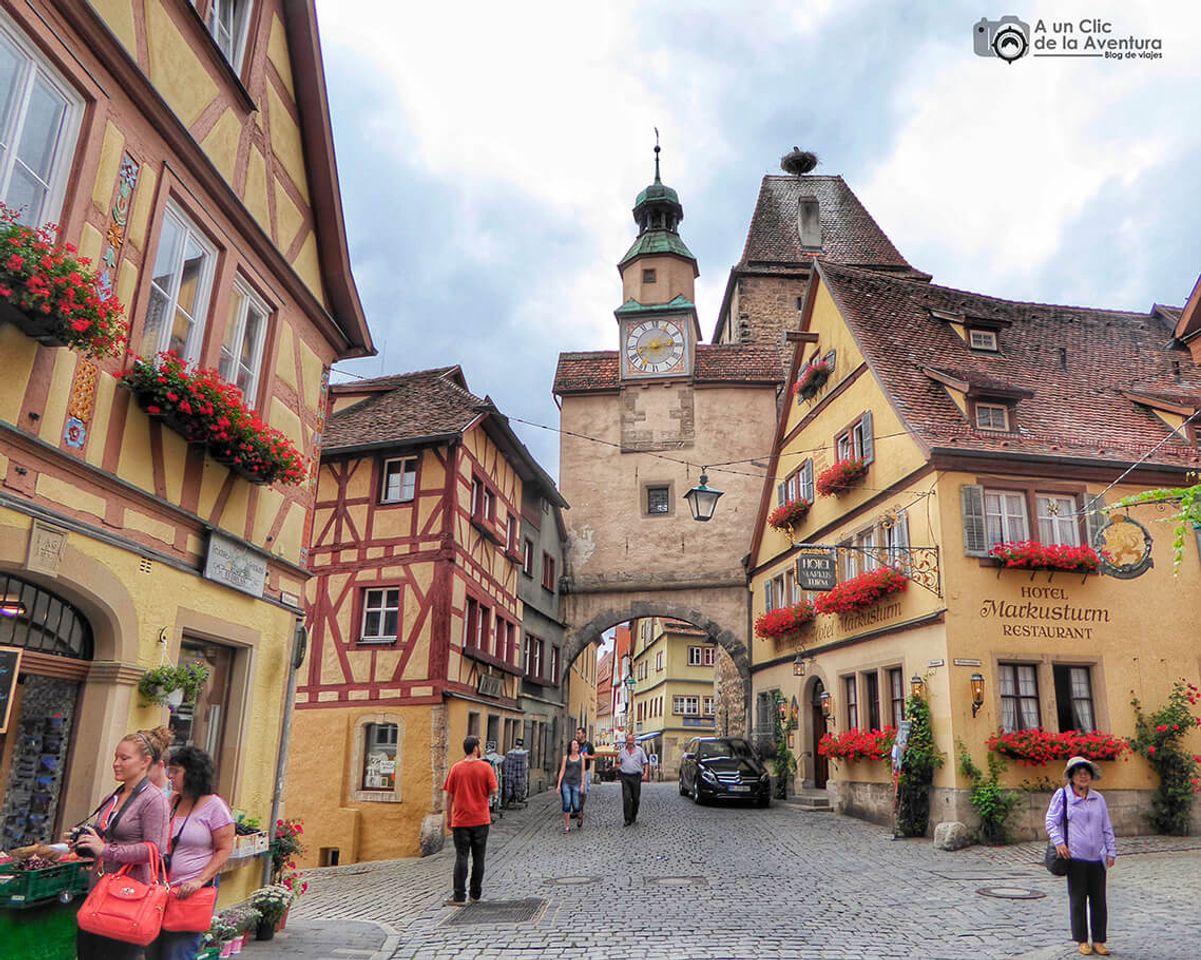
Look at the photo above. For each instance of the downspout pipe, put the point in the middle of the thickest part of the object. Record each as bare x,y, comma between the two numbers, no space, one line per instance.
300,643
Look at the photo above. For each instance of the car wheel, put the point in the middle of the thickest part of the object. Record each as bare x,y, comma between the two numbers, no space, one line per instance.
763,801
696,794
682,790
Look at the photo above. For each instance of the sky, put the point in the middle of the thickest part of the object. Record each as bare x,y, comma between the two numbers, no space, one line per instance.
489,156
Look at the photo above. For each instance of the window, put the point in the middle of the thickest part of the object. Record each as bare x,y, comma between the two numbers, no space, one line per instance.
1019,697
658,500
694,656
483,633
554,664
850,688
798,485
506,640
709,657
548,572
659,662
857,440
1074,698
686,706
379,756
511,533
228,21
399,481
381,615
39,123
527,557
1057,519
477,497
179,289
896,694
648,275
983,340
473,723
708,707
535,650
992,416
489,512
873,700
774,595
1005,516
242,350
471,623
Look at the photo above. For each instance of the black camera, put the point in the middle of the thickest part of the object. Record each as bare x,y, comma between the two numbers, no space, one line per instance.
78,831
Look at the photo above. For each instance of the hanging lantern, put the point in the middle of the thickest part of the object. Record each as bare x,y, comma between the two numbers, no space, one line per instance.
702,500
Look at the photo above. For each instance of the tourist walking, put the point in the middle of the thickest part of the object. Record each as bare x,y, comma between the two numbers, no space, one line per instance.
571,775
631,762
1088,844
468,790
129,821
200,840
589,752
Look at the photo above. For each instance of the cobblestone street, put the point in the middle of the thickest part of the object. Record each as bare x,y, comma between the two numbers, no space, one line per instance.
711,882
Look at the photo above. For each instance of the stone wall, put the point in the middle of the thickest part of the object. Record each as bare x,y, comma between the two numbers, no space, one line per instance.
769,305
730,696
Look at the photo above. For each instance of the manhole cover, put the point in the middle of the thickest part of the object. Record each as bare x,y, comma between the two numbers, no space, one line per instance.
497,911
678,881
1010,893
572,881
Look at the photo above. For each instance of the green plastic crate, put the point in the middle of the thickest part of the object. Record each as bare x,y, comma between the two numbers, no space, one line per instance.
27,888
45,931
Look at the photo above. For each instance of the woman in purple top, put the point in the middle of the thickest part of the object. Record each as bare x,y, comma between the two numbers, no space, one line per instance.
134,817
1090,848
201,840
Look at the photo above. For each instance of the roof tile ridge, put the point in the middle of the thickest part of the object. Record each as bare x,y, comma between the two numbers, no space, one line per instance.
580,354
867,213
763,190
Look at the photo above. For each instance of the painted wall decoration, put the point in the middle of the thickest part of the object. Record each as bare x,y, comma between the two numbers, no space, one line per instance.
1124,546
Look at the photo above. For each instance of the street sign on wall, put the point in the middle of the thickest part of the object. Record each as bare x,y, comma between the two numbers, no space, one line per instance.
817,569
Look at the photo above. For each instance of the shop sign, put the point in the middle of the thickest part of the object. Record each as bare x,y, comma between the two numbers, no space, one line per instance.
1044,613
817,570
491,686
1124,546
235,565
10,666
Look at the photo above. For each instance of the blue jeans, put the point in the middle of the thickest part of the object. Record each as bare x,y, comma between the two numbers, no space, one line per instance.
571,797
174,946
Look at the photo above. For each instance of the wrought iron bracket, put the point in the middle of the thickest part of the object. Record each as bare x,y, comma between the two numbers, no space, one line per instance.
918,564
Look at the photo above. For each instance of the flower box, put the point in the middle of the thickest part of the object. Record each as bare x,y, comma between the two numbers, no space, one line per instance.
50,294
788,515
202,408
1032,555
811,379
839,477
854,745
1036,747
785,621
862,591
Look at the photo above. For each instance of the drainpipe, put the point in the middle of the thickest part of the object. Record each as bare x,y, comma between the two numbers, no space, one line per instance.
300,643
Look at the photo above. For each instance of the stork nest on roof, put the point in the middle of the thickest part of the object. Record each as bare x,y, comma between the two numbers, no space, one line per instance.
798,162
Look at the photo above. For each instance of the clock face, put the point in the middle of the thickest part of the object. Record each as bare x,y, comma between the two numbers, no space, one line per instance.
655,346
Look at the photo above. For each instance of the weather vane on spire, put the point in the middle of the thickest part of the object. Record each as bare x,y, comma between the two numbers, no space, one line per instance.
657,180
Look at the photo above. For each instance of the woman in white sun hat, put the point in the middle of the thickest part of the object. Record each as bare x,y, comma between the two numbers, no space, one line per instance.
1090,848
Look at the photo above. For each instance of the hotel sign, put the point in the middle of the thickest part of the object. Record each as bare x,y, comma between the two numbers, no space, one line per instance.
235,565
1124,546
817,570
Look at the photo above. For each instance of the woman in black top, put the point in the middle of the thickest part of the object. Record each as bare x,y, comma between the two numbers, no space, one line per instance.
571,778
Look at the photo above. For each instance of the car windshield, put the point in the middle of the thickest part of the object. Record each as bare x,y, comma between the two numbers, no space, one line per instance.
713,749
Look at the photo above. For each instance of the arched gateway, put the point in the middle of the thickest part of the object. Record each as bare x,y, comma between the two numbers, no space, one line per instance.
639,424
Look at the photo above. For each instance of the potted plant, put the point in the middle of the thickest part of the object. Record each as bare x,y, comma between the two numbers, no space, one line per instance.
862,591
785,622
812,378
788,515
271,902
1032,555
1035,747
840,476
173,685
52,295
854,745
221,934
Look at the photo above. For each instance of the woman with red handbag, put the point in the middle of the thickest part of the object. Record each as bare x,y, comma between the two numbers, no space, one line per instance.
131,829
201,838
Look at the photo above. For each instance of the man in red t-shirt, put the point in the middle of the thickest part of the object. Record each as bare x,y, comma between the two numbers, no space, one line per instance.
469,786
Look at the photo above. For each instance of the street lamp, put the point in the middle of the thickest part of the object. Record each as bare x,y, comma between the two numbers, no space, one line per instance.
916,685
827,703
702,500
977,692
798,665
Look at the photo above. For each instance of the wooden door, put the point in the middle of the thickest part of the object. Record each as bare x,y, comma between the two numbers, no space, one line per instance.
821,765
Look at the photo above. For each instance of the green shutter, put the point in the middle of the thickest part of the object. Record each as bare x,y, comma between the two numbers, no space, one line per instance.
975,533
869,445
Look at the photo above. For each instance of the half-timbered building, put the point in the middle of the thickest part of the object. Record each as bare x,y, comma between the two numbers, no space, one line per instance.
415,613
185,148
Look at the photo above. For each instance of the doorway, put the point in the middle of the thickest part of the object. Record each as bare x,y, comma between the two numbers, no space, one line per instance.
821,764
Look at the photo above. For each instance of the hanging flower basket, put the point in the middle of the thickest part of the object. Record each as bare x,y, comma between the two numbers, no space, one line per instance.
202,408
51,295
1032,555
1034,748
788,515
839,477
785,622
171,686
811,379
861,592
854,745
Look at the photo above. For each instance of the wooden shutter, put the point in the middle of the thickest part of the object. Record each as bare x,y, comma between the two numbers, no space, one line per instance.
767,596
975,532
781,495
1094,520
869,446
830,358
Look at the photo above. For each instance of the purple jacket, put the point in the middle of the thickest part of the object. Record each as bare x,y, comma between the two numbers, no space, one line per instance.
1090,834
145,819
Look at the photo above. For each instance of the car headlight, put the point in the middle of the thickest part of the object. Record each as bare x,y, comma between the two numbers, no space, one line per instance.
766,776
709,775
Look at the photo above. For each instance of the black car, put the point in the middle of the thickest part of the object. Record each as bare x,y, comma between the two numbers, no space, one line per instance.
722,768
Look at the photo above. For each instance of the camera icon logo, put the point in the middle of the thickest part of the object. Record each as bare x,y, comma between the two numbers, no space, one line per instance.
1007,38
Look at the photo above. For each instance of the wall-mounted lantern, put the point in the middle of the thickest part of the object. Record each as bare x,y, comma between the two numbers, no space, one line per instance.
798,665
917,686
977,692
702,500
827,703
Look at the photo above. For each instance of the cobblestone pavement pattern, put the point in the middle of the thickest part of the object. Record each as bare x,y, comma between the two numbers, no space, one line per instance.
715,882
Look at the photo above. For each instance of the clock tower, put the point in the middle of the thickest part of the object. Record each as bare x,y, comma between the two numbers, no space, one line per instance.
657,321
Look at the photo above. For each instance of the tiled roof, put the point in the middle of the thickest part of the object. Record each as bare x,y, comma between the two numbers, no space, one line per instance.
849,234
599,370
1076,362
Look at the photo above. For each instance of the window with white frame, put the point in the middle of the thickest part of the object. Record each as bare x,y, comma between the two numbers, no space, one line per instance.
983,340
1057,519
1019,697
229,22
708,707
242,350
379,756
1005,516
857,441
686,706
527,557
39,126
659,661
179,289
708,656
399,481
381,615
992,416
694,656
1074,698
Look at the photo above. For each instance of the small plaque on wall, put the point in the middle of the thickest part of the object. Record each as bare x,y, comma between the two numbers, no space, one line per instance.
235,565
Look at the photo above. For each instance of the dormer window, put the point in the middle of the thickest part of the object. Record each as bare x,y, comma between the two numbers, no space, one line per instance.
809,222
648,275
992,416
228,21
983,340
